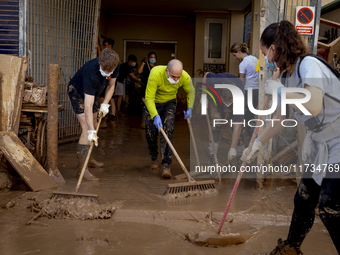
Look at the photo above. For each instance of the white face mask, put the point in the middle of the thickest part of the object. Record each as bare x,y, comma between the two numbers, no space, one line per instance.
104,74
133,64
172,81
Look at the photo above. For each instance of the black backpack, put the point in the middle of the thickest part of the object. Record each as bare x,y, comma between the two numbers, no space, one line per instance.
335,72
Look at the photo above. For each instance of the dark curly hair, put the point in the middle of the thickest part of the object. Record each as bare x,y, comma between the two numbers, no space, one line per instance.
108,59
287,41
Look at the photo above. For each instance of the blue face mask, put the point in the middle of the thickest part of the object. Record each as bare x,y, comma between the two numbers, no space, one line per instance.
152,60
271,66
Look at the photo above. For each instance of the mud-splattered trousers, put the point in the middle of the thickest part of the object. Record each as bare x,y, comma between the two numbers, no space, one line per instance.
167,113
77,101
307,197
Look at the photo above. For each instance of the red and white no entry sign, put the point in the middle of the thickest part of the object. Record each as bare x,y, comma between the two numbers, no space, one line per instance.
305,19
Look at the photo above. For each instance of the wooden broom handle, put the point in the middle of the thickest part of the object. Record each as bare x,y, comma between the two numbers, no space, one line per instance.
213,145
88,156
176,155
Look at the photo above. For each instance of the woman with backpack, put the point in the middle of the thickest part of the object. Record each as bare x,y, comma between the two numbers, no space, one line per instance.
320,184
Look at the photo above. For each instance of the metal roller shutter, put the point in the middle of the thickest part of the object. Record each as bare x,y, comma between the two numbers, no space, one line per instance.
9,27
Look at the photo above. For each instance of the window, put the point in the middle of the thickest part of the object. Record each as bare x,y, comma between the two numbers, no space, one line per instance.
247,28
215,41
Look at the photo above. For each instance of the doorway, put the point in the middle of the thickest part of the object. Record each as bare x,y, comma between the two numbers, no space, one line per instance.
165,50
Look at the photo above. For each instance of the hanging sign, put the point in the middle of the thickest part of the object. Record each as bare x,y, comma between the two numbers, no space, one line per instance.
305,16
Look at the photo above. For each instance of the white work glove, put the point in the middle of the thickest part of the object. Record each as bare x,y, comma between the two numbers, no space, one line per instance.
104,109
231,154
273,86
92,137
254,150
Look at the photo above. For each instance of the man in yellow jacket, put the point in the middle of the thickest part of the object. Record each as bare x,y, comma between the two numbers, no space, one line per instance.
160,100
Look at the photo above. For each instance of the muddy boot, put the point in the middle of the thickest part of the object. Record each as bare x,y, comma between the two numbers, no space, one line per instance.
154,164
94,163
166,173
82,151
112,121
284,249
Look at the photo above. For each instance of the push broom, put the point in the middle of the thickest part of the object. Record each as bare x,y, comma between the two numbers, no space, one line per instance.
217,238
191,187
75,194
275,75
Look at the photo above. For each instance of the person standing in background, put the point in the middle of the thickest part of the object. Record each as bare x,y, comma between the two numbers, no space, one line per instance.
249,74
125,70
108,43
144,70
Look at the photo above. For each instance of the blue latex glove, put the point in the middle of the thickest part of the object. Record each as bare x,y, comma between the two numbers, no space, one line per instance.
157,122
188,113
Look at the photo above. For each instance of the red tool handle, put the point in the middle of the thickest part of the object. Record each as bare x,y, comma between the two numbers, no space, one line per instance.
275,75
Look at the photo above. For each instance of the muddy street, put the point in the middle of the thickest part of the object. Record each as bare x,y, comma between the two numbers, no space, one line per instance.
143,221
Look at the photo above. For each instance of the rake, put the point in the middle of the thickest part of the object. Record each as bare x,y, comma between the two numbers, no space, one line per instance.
190,188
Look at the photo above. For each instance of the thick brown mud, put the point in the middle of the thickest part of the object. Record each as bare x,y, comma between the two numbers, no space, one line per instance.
64,207
148,223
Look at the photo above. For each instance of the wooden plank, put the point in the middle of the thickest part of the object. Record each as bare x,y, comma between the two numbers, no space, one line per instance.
329,23
334,48
33,110
24,163
323,45
13,71
285,150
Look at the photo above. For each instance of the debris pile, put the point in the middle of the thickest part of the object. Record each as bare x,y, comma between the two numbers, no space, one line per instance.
34,93
76,208
63,208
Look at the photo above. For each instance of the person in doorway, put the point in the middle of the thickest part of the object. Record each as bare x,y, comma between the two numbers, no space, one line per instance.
144,70
108,44
84,89
130,83
160,101
221,112
249,74
124,71
283,47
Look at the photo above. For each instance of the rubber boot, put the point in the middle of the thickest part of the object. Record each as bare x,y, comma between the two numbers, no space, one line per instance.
284,249
166,173
94,163
82,151
112,121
